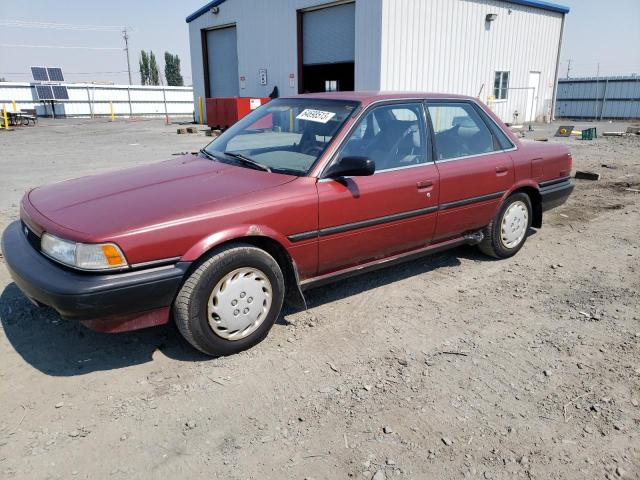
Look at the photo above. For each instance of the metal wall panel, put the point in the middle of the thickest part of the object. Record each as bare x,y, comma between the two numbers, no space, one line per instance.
447,46
599,98
329,35
89,99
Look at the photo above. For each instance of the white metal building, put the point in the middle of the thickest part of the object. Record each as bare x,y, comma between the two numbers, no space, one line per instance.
504,52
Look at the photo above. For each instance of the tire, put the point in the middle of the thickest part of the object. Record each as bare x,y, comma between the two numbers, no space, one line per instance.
231,301
497,245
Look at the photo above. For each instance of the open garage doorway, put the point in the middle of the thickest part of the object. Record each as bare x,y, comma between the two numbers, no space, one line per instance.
326,49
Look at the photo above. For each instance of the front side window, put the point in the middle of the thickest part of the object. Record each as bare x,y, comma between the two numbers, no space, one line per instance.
285,135
501,85
393,136
459,131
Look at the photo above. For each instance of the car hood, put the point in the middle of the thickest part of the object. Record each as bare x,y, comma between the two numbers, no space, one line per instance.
114,203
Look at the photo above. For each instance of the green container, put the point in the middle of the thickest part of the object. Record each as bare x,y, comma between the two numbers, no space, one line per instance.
589,133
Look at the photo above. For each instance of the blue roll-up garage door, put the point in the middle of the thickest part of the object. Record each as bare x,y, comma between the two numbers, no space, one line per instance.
329,35
222,60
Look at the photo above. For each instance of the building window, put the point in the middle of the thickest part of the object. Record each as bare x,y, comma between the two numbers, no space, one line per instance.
501,85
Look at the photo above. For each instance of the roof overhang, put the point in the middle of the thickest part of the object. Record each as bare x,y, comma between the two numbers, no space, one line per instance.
553,7
203,10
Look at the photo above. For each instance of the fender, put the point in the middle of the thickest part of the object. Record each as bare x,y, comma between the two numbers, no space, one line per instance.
236,233
536,204
525,183
294,296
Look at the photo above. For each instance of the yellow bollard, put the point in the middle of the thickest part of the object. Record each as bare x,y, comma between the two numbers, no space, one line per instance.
200,115
6,120
113,114
15,107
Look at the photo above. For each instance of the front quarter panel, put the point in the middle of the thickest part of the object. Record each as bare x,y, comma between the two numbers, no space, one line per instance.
278,213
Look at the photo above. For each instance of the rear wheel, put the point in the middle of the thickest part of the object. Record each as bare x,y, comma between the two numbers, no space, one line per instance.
507,232
231,301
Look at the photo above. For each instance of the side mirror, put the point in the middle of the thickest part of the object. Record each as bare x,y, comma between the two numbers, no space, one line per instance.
351,167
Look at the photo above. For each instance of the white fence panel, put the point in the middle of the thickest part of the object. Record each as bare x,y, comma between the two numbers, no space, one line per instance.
94,100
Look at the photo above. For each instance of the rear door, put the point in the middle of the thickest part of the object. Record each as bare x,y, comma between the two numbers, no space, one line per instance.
474,166
367,218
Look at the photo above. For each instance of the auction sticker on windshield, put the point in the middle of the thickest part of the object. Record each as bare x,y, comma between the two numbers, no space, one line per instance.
312,115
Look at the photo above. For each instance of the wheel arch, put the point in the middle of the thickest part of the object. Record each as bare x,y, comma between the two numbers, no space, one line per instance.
255,237
533,193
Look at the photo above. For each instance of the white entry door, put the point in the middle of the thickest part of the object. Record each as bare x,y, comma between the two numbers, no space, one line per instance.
532,96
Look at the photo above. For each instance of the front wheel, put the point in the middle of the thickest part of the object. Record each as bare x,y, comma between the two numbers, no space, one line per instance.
231,301
507,232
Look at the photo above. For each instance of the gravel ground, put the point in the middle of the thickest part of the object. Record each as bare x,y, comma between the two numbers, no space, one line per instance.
454,366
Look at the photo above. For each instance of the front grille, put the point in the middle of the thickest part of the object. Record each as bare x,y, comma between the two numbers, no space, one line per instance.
32,238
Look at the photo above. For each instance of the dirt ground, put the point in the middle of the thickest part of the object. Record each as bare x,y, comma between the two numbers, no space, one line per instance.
454,366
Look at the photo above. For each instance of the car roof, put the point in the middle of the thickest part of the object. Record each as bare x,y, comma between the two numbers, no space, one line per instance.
367,97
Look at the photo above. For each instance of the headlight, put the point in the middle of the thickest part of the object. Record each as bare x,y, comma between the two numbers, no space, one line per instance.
85,256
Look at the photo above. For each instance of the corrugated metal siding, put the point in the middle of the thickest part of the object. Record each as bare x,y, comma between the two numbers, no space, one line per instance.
599,98
88,99
267,38
446,46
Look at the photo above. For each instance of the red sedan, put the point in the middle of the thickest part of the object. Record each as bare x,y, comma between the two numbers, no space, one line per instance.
300,192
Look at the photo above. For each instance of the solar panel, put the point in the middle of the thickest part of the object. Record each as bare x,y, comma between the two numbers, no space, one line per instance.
44,92
55,74
60,92
39,74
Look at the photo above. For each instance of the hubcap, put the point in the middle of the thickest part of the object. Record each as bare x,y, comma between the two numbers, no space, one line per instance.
514,224
239,303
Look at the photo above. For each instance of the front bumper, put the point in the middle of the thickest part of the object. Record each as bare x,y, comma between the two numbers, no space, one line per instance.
555,192
87,296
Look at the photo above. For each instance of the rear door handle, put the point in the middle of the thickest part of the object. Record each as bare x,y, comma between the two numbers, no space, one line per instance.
502,170
424,184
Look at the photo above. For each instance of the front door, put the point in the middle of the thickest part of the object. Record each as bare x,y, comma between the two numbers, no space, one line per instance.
474,166
532,96
362,219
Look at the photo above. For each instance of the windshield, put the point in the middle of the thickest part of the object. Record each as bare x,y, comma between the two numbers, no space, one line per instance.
285,136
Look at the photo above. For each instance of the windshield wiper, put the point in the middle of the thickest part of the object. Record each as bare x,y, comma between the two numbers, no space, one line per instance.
248,161
210,156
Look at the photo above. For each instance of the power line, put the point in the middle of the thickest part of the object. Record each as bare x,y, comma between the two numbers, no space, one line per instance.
11,45
59,26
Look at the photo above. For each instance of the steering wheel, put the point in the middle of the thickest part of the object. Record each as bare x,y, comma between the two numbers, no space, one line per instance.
313,150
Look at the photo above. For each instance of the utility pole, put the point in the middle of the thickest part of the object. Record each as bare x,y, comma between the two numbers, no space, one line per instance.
568,68
125,35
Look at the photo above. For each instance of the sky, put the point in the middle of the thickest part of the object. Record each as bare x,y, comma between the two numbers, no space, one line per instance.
607,33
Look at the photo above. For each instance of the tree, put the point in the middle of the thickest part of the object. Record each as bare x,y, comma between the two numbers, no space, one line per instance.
172,70
144,68
154,74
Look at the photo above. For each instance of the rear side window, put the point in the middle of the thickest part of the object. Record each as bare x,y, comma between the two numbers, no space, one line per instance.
459,131
503,140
